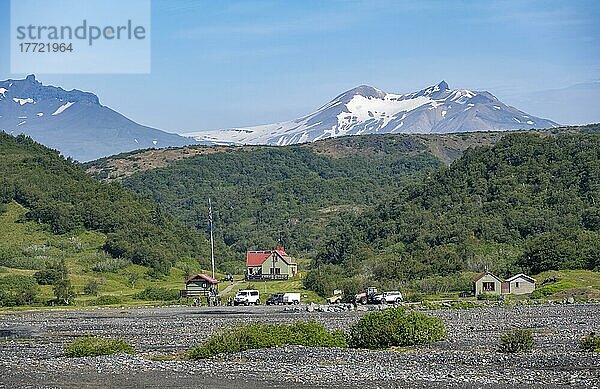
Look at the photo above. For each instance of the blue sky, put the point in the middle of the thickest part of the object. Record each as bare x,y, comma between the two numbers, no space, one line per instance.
218,64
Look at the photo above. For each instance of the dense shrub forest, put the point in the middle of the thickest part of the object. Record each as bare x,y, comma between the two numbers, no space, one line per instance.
57,192
266,194
529,203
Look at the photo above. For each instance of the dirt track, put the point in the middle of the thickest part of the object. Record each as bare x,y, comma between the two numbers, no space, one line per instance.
32,344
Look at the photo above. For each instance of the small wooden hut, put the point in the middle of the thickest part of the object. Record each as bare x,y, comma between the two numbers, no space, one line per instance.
200,285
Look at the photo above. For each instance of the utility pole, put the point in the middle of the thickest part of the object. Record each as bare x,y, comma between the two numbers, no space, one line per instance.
212,242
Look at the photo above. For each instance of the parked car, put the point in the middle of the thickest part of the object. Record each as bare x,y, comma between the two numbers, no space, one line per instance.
284,298
394,297
247,297
275,299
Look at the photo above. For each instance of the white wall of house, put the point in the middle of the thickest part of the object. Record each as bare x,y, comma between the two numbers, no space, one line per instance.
521,285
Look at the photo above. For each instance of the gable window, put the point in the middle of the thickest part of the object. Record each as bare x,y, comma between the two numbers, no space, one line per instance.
517,284
489,286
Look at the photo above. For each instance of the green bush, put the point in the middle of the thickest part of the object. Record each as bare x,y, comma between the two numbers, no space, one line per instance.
106,300
52,272
17,289
414,297
47,276
35,263
590,342
396,327
262,335
63,291
156,293
489,297
21,259
91,347
91,288
516,341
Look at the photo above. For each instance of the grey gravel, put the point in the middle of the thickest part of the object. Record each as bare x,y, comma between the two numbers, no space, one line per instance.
32,350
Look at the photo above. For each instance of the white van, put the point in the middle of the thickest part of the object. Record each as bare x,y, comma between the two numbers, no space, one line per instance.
247,297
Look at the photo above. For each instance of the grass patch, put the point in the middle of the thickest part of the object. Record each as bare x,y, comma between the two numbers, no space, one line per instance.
91,347
395,327
562,283
263,335
519,340
553,288
106,300
157,293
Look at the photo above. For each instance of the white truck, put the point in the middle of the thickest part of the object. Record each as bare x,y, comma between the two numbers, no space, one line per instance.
291,298
247,297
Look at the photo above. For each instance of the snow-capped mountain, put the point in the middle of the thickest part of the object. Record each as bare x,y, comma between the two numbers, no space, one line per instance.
74,122
368,110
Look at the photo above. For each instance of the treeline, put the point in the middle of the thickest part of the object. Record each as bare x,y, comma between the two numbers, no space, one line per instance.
57,192
268,194
529,203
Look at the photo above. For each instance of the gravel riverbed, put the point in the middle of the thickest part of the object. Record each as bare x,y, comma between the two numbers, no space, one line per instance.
32,351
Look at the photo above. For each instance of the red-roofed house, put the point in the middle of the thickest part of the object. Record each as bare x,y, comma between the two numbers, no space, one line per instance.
270,265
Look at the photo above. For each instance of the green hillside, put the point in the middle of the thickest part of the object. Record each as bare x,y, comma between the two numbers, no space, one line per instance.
58,193
528,203
265,194
28,247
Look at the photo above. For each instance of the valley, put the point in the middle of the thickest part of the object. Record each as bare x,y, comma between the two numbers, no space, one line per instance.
256,194
402,218
354,211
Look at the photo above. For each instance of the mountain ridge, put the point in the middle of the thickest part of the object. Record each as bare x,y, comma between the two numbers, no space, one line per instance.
74,122
369,110
446,147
